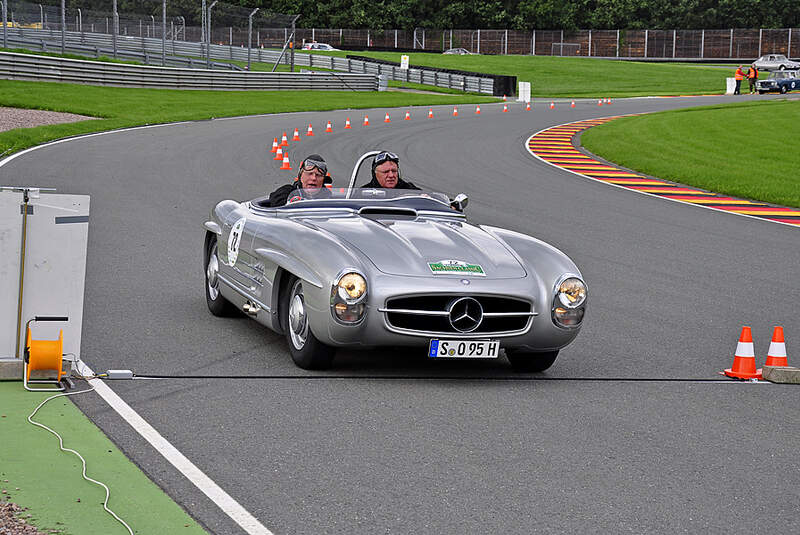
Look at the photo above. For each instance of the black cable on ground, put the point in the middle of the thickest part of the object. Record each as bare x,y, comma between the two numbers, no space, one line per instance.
446,378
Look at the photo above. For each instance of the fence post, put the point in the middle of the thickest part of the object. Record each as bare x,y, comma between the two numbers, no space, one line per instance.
506,39
367,38
163,33
617,43
702,43
674,35
760,31
789,46
63,25
479,41
395,38
5,24
730,45
590,43
533,43
646,35
451,38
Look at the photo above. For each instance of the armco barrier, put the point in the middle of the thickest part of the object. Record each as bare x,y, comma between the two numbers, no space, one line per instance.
41,68
153,47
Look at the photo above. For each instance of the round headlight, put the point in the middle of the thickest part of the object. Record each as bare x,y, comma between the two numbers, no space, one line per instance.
352,286
572,292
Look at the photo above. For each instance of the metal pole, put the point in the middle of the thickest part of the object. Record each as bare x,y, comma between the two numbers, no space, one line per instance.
789,46
590,43
533,43
183,27
208,29
479,41
115,27
294,38
63,24
646,32
250,35
163,33
202,23
451,38
730,45
617,43
702,43
674,41
760,30
41,17
5,45
80,20
152,26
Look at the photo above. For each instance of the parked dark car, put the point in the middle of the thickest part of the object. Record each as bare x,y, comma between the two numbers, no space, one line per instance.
781,81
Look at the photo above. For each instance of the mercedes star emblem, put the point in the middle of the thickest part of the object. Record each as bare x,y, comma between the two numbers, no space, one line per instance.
465,314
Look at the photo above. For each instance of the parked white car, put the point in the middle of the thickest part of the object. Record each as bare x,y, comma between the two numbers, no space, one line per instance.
775,62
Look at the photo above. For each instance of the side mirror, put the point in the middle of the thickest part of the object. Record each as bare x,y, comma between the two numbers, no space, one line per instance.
460,202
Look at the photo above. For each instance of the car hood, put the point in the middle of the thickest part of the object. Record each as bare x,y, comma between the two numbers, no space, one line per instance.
422,247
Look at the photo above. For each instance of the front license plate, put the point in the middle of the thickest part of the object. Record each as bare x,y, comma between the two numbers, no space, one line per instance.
463,349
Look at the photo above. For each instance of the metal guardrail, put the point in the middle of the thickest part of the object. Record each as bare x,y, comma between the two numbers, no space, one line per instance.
55,69
175,48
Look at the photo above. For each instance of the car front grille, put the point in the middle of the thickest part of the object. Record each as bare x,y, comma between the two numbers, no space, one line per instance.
434,314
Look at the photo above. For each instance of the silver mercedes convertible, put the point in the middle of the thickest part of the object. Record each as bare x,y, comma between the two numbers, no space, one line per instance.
364,268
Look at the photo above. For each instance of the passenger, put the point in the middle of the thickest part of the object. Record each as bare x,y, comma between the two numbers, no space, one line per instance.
313,176
386,173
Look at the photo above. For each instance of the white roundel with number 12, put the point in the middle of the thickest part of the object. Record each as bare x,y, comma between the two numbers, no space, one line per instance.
234,240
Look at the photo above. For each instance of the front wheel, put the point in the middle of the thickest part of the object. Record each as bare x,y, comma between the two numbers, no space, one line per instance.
218,305
783,67
783,89
530,362
306,350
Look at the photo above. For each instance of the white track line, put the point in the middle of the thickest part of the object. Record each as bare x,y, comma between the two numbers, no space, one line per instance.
215,493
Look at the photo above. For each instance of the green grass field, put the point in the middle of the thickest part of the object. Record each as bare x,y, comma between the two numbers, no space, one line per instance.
122,107
35,474
579,77
746,149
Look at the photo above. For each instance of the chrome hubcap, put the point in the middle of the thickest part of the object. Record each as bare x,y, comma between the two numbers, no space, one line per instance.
211,274
298,321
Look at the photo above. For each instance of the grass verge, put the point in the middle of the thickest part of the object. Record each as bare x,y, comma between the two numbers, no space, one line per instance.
119,107
35,474
552,76
745,150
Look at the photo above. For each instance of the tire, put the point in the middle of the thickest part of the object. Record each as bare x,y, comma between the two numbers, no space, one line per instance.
783,89
782,67
306,350
530,362
218,305
761,92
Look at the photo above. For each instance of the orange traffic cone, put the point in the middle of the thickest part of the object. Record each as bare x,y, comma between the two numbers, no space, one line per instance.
286,162
274,145
505,108
572,104
408,116
328,127
504,98
455,111
347,123
776,356
430,113
528,107
478,110
609,101
284,141
310,130
278,154
386,119
366,120
744,360
599,102
552,104
296,136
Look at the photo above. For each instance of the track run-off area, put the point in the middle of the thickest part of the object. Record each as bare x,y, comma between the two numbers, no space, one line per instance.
628,431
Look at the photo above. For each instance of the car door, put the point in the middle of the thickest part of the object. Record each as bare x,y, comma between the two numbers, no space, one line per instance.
235,251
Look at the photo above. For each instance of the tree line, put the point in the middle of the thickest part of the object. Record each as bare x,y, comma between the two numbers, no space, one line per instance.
499,14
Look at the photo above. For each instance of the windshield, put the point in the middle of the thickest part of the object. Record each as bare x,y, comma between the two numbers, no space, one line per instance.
359,197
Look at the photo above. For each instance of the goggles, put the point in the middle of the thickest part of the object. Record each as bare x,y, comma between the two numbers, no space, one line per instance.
384,157
309,165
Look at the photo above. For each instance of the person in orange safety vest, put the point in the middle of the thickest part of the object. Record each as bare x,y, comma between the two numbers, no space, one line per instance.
739,76
752,77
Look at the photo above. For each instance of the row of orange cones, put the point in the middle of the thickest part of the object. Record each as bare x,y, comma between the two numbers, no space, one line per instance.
281,155
744,359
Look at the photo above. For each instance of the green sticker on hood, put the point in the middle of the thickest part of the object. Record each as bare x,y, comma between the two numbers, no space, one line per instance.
455,267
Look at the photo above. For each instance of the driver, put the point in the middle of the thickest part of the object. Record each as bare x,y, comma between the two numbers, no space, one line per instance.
386,173
313,177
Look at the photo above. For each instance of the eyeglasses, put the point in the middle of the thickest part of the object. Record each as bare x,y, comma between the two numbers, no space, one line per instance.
385,156
309,165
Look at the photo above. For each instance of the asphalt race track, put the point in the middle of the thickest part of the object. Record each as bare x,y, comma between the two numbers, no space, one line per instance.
622,434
